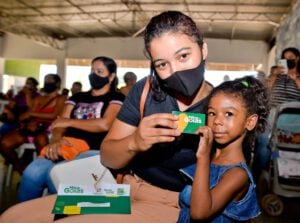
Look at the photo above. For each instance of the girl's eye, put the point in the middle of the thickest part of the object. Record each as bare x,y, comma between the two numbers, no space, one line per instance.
229,114
211,114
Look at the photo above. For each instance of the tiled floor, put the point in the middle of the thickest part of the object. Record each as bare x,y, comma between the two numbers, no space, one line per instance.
291,213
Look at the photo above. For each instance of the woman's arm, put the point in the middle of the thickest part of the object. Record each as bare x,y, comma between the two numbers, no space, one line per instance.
58,107
90,125
124,141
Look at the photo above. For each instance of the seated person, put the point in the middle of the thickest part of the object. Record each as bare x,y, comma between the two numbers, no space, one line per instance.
34,123
76,87
82,125
18,105
130,80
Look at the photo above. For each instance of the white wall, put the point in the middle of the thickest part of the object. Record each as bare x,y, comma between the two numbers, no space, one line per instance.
219,50
117,48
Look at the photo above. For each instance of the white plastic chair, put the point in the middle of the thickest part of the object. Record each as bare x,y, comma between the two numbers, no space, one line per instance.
20,151
84,169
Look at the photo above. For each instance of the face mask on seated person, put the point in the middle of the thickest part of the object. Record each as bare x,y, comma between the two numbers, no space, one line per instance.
291,64
49,87
97,82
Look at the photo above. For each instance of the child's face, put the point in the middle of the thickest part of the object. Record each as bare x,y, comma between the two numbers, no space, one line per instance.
227,118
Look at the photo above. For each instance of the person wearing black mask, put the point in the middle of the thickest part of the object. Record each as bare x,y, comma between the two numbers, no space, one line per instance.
34,123
284,86
149,145
83,123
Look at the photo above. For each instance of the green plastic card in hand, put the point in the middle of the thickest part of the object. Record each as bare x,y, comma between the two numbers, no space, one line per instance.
189,122
84,199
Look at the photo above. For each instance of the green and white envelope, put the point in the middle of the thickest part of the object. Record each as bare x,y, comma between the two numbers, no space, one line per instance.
84,199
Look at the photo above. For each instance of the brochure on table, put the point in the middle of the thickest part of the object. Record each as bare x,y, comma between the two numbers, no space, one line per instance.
85,199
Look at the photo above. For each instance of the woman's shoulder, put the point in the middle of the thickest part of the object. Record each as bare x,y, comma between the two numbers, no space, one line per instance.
137,89
116,95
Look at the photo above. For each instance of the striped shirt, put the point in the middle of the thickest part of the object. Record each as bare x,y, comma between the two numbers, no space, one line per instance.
284,90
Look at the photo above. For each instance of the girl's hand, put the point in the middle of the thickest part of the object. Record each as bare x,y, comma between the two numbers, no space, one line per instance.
60,123
156,128
206,140
53,151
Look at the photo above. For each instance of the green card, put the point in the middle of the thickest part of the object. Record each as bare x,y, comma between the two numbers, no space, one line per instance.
189,122
84,199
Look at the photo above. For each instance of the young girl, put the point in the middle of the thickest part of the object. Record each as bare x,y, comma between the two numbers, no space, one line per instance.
223,189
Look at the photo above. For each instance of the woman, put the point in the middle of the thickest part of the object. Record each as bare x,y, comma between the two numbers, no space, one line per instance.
85,120
34,123
21,103
150,148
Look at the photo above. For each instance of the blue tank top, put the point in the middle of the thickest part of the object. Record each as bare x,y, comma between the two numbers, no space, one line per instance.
242,210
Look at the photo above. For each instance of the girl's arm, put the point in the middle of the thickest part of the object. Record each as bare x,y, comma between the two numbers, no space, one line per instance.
124,141
205,202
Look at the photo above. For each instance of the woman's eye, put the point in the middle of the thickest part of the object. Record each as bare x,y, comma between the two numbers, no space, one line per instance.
161,66
184,56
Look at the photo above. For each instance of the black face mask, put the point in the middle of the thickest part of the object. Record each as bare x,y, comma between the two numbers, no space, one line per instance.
186,82
49,87
291,64
97,82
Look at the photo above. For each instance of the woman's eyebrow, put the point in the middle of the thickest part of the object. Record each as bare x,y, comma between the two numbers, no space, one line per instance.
177,52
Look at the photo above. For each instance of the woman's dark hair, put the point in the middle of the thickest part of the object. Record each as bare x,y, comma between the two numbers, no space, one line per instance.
254,95
111,66
169,21
56,79
34,81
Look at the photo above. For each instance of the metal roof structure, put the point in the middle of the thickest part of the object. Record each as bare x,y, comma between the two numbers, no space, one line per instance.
52,21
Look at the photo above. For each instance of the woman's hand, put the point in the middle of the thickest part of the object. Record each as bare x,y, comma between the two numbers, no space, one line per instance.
206,140
24,116
156,128
293,76
53,149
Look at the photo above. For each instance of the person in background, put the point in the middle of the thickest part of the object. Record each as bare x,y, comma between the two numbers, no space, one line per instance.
150,147
65,91
130,80
34,123
284,86
85,120
76,87
18,105
223,189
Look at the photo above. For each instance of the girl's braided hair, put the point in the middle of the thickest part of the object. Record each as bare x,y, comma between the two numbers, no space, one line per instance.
254,95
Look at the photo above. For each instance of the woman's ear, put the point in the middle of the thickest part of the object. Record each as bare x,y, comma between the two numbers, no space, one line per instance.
251,122
112,76
204,51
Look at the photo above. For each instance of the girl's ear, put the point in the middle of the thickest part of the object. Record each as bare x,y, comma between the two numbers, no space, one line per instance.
251,122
